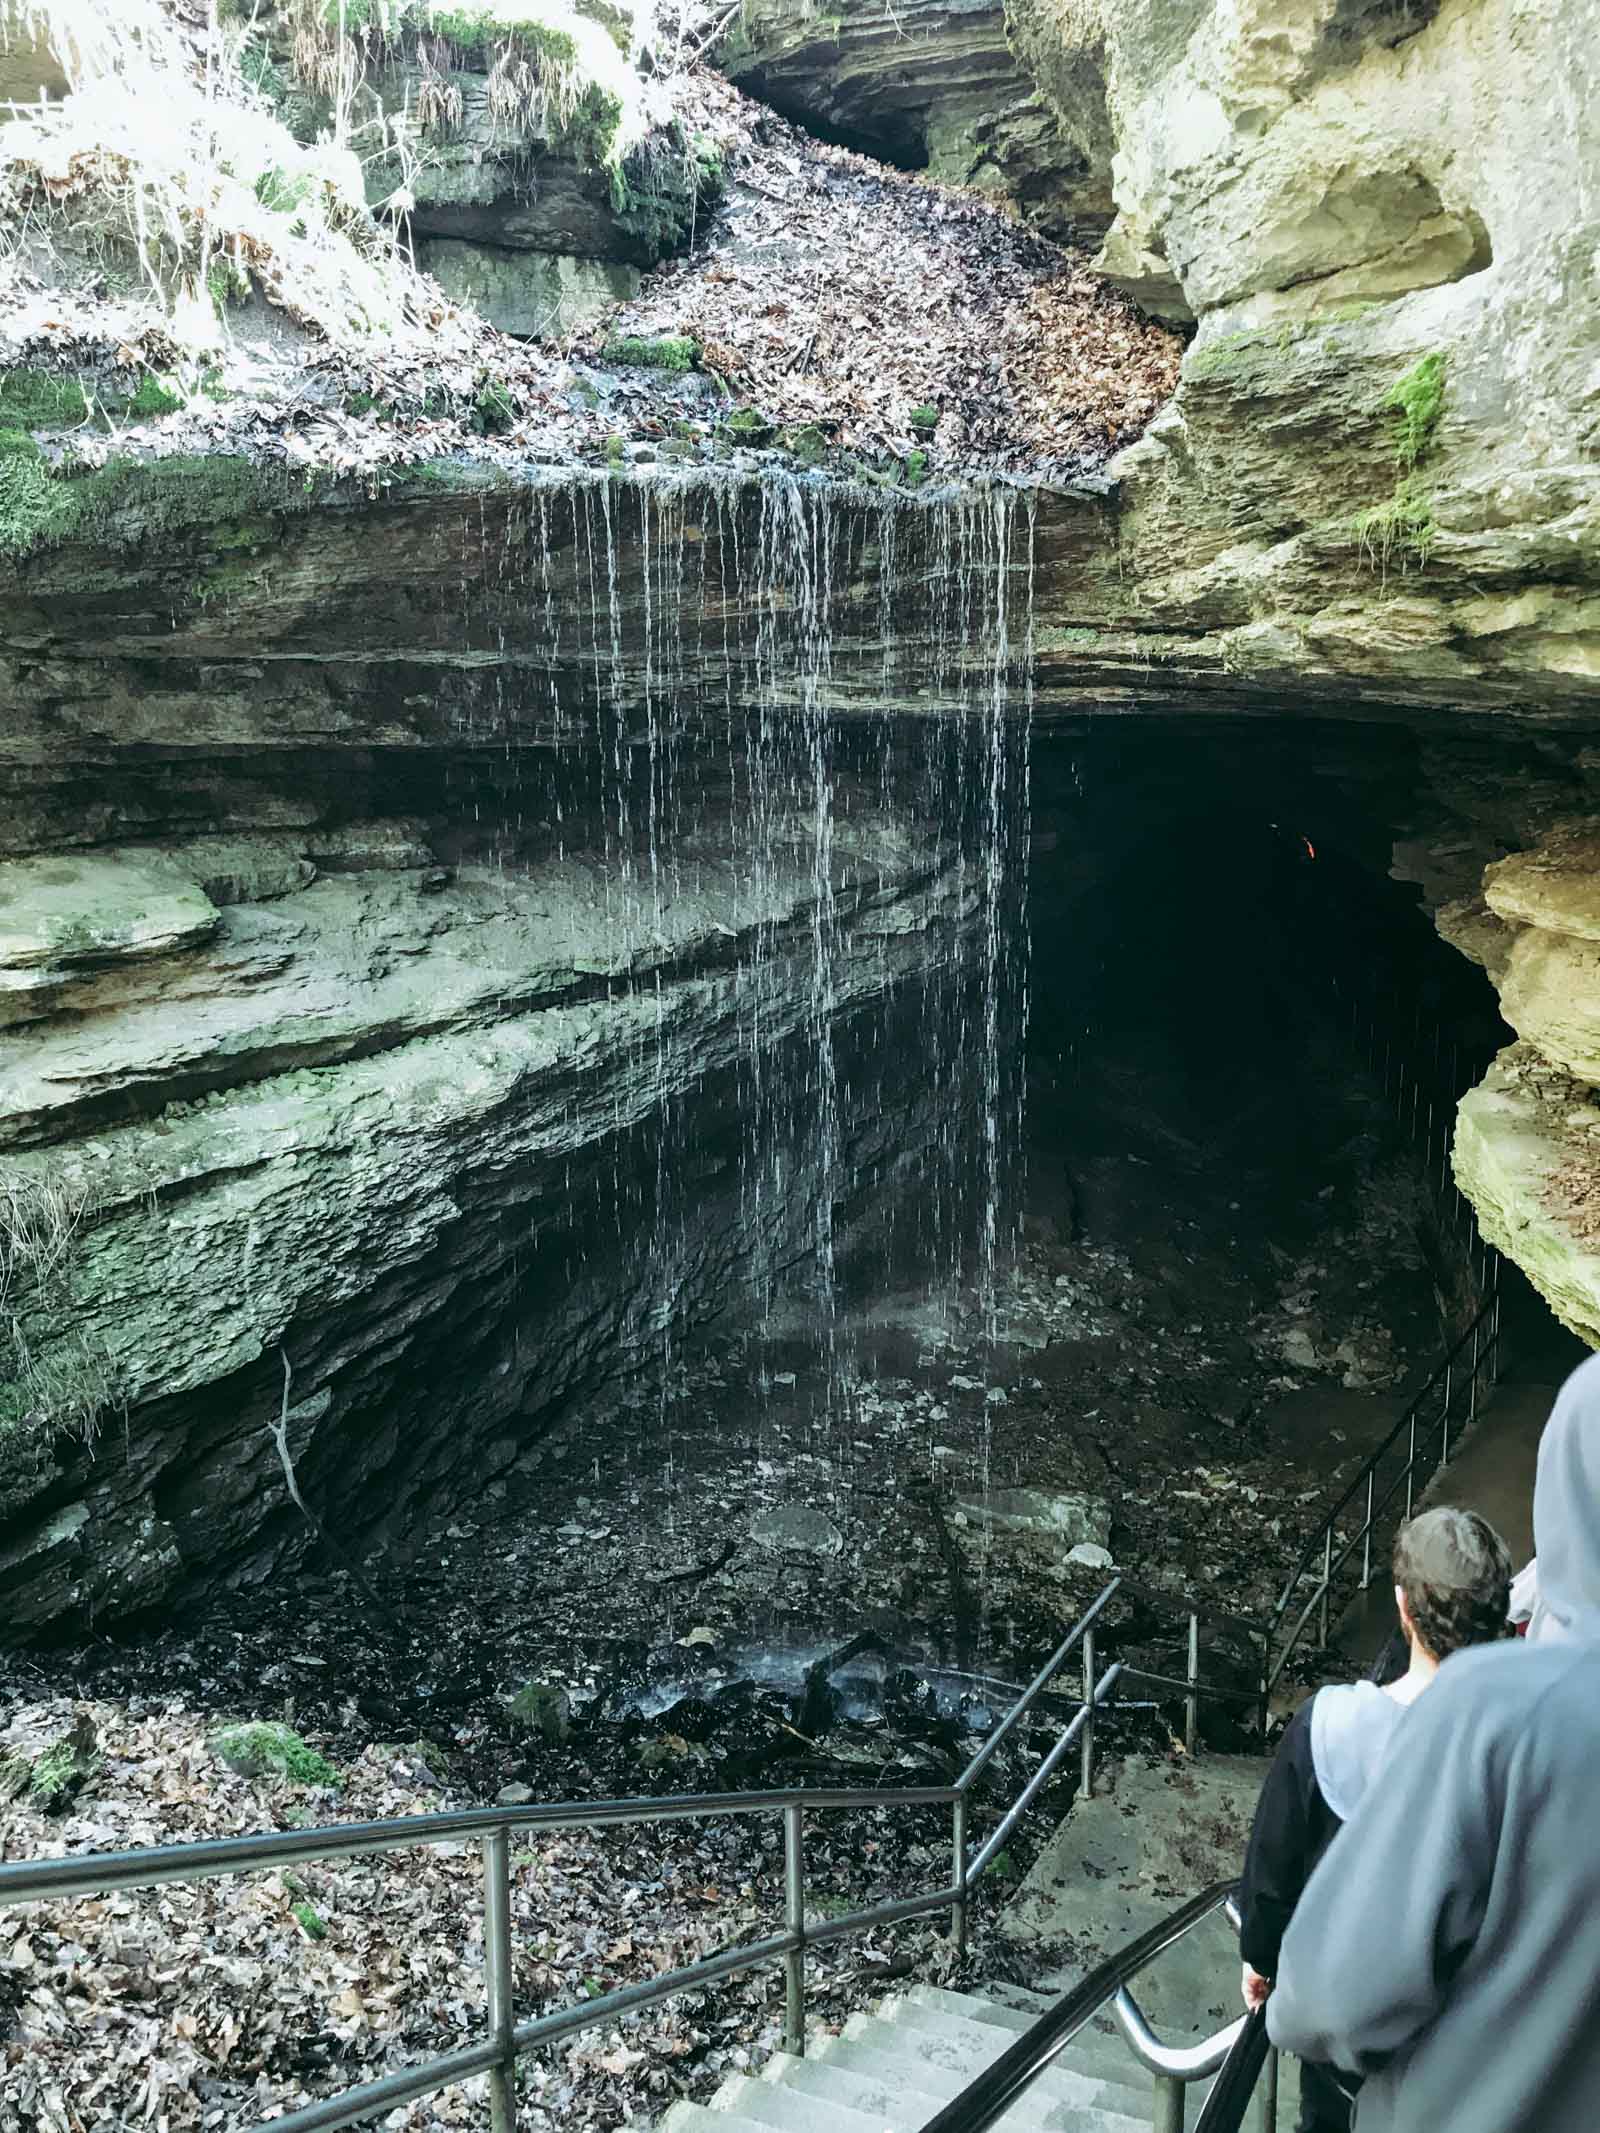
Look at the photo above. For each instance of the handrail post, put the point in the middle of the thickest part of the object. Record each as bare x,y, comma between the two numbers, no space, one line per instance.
958,1873
1086,1781
1327,1578
1366,1535
1191,1703
1269,2093
794,1907
497,1977
1444,1429
1167,2116
1411,1461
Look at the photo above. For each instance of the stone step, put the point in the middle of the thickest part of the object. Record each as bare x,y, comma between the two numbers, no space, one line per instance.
894,2090
1114,2067
747,2101
1099,2048
876,2050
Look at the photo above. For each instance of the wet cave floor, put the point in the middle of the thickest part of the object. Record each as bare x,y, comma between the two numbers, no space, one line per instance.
1207,1326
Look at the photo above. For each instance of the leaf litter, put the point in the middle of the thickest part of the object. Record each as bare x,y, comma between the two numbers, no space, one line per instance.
215,2003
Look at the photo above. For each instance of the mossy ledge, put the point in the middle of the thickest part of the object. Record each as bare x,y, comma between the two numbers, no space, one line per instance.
45,503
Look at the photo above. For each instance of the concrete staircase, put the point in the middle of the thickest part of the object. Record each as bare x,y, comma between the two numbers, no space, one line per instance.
889,2072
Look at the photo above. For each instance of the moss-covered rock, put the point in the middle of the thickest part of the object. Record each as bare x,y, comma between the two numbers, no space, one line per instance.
666,351
542,1710
265,1749
51,1780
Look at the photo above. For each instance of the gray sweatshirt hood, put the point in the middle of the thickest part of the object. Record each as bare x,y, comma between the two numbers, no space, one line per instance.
1566,1514
1352,1731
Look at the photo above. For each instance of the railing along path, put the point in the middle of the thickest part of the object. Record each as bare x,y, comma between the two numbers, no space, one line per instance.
505,2039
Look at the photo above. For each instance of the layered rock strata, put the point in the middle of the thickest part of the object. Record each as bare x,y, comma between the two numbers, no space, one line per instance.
370,1145
933,87
1528,1141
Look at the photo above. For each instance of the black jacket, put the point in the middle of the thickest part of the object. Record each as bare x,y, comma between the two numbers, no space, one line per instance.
1294,1826
1326,1760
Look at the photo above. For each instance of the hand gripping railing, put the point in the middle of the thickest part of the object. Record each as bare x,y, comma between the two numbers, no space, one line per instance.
506,2039
1176,2065
1461,1380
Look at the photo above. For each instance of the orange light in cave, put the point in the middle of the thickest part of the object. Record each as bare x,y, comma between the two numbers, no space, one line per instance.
1311,850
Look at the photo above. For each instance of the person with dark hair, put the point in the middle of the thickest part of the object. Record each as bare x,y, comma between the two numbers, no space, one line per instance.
1445,1948
1452,1573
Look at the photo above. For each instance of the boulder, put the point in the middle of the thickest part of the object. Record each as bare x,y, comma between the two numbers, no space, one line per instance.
543,1711
1065,1517
265,1748
796,1529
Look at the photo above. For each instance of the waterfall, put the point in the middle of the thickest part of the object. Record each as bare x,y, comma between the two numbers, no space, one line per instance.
791,700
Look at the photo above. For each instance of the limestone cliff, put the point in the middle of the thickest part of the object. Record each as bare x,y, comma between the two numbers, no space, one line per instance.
412,990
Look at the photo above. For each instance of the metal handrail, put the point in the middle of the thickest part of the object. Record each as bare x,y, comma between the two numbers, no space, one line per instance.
991,2094
1416,1426
1171,2062
34,1881
1224,2108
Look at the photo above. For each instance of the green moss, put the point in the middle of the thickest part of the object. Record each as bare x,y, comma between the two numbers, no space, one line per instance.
808,442
582,64
664,189
616,449
228,283
1078,636
541,1709
128,500
916,469
1403,526
493,411
41,400
1232,352
25,492
925,418
1416,401
263,1749
154,397
310,1921
667,351
747,425
228,581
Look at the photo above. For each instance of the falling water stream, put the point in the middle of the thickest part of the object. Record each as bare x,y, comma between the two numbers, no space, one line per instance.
813,703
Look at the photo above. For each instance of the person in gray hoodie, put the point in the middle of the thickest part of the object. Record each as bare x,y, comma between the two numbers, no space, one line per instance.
1558,1594
1447,1948
1452,1572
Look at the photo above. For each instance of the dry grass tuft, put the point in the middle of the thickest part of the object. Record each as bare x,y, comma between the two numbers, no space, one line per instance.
163,159
64,1384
